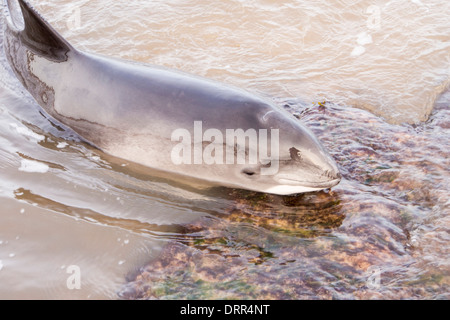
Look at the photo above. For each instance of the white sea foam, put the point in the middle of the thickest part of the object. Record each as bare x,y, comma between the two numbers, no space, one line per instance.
358,50
33,166
24,131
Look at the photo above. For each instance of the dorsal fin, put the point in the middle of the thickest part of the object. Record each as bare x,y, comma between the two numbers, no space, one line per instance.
39,35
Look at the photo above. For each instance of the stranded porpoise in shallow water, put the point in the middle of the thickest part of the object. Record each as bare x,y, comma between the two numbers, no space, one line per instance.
177,123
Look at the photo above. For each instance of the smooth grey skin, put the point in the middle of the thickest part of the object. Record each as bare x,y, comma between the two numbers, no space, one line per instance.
130,110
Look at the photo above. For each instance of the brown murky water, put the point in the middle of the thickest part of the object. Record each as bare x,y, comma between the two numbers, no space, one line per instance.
382,233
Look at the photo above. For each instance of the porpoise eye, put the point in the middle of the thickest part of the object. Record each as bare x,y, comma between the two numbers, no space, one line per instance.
248,172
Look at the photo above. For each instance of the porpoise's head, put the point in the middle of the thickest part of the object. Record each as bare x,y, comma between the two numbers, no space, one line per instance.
268,150
294,161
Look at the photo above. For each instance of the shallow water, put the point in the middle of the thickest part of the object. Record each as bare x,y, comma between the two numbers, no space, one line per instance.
383,232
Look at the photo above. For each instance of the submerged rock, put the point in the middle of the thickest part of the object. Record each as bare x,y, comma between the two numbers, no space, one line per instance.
381,234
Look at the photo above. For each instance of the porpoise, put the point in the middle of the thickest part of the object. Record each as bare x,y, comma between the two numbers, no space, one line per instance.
164,119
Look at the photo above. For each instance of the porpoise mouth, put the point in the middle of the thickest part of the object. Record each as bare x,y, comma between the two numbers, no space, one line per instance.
309,184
